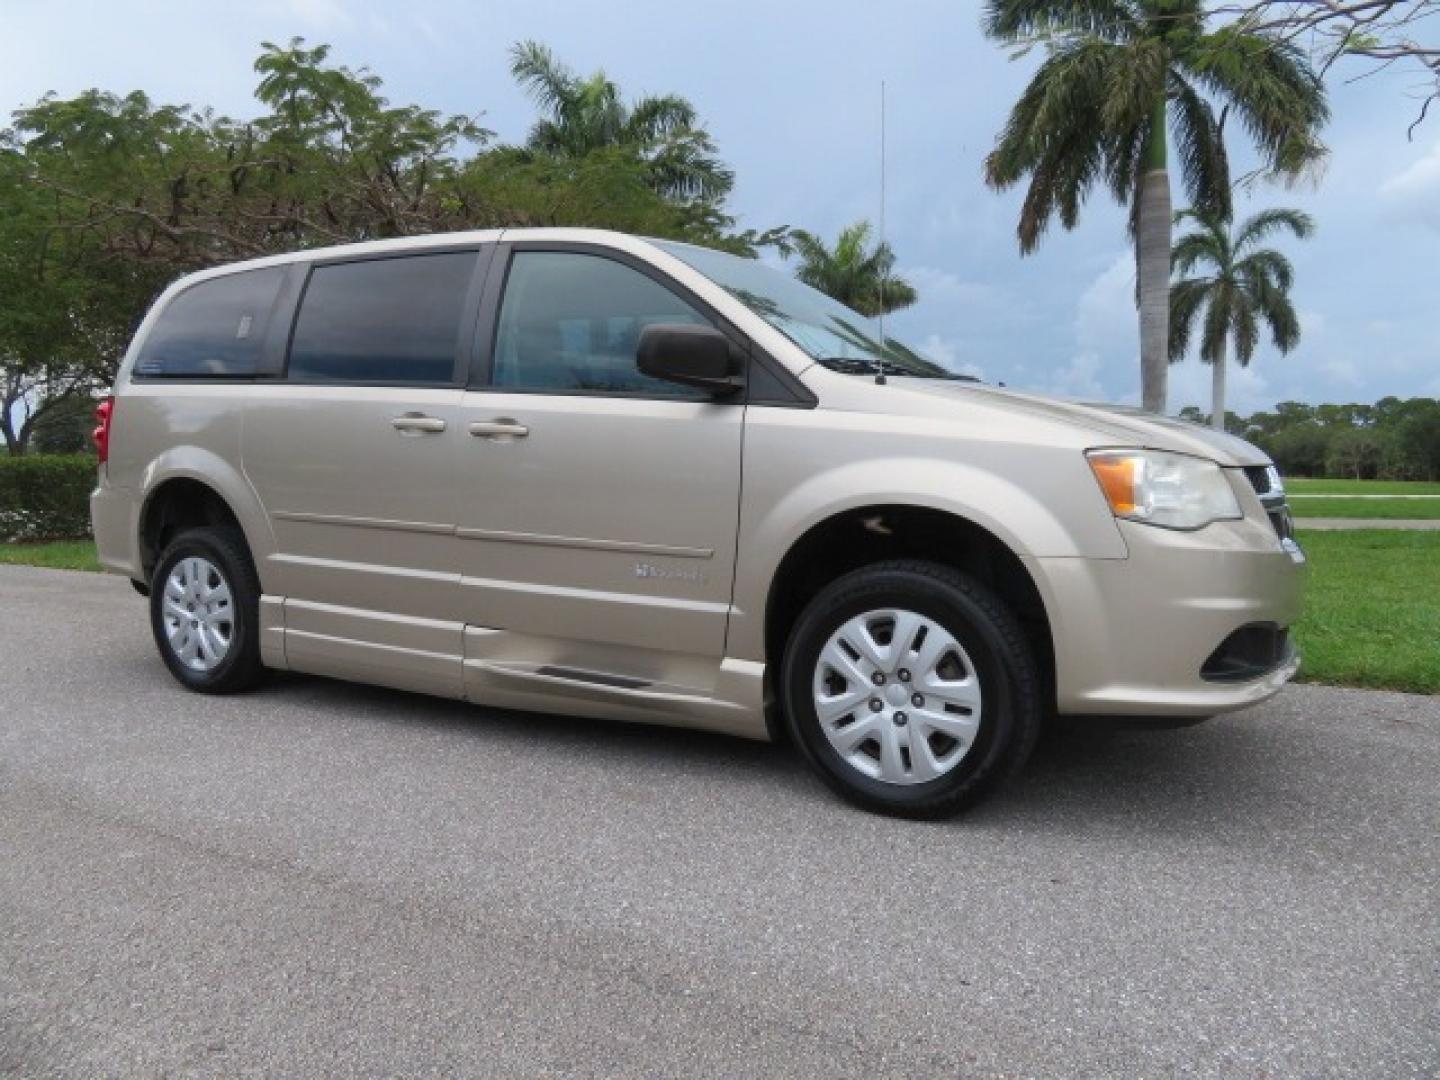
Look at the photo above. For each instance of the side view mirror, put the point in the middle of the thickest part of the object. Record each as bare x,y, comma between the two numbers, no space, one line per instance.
690,355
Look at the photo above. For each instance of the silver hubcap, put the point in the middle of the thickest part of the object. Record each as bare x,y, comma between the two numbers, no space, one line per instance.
198,612
897,696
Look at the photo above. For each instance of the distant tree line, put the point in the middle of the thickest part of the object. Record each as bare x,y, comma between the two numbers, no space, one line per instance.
1393,439
105,198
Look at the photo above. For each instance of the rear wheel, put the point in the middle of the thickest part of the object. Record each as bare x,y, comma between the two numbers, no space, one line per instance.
205,611
911,689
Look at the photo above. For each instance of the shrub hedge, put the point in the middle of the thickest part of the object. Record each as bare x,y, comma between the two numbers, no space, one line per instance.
45,497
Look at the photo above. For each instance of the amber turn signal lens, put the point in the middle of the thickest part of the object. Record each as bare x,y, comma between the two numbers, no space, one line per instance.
1117,479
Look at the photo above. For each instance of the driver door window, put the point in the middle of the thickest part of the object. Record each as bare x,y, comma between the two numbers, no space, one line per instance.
570,324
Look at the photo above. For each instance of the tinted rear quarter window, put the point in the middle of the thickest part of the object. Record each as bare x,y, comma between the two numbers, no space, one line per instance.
383,320
213,329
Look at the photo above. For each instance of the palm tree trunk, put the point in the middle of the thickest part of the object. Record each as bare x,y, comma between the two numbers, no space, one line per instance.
1217,390
1152,261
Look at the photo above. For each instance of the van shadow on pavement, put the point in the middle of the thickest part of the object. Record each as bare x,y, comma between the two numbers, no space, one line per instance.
1082,777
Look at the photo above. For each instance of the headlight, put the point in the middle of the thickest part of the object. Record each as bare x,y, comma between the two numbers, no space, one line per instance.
1171,490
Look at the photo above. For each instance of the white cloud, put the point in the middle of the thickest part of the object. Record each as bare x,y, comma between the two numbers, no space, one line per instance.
1078,379
947,355
1246,390
1105,313
316,14
1413,194
1312,325
942,287
1104,362
1342,372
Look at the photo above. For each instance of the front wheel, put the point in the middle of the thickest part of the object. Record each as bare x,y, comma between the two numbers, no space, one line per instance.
911,689
205,611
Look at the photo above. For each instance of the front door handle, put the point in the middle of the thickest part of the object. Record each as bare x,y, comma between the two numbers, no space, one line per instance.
415,422
498,429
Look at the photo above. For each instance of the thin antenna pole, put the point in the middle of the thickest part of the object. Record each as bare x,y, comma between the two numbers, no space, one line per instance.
883,270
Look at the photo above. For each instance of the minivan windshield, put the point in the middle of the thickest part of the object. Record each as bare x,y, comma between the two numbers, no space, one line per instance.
826,329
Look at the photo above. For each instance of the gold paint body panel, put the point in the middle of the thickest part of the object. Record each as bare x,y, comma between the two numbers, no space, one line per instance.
615,561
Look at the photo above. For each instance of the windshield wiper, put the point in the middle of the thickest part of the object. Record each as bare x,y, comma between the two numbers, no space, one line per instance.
857,365
851,365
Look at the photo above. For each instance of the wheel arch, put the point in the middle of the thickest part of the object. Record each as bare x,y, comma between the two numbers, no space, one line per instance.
193,487
860,536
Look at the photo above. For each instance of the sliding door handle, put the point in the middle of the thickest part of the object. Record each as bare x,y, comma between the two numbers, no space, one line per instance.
498,429
417,424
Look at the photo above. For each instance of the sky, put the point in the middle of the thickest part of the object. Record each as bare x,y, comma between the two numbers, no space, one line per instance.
791,93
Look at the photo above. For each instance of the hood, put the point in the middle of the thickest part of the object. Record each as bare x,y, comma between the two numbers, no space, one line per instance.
1115,424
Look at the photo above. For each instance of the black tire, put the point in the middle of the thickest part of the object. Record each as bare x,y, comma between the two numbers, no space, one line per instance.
227,551
1010,683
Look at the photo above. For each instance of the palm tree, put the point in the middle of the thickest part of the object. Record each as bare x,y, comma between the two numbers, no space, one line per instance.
1245,286
1120,79
854,273
587,114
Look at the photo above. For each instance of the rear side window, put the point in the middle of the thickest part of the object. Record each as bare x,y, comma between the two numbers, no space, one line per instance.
570,323
382,320
215,329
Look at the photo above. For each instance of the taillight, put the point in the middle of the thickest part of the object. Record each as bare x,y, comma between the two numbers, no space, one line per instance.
101,434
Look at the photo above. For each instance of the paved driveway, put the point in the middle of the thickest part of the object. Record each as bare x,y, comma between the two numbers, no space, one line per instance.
323,879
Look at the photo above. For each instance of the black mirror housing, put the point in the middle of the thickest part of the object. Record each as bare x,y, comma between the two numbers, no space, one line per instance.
699,356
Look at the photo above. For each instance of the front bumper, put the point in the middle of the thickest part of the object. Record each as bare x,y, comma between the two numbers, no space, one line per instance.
1132,635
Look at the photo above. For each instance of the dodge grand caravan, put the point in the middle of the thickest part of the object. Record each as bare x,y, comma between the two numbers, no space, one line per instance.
587,473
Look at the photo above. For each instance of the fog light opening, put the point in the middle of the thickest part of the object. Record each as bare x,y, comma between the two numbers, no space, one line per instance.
1250,652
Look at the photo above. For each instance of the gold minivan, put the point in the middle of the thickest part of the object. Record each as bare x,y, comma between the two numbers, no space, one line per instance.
588,473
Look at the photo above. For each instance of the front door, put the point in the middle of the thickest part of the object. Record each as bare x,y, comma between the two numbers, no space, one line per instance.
597,506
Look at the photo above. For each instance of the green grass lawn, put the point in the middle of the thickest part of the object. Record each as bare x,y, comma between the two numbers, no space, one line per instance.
1372,609
1388,509
61,555
1299,485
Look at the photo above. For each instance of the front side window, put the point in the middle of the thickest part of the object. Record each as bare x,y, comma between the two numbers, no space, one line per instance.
382,320
570,323
214,329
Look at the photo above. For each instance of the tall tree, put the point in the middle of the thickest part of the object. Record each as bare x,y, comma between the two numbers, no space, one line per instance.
1241,287
64,312
1120,80
856,273
104,198
341,161
584,114
1380,32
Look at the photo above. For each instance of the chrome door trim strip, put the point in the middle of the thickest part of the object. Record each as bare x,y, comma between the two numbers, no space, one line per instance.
623,546
363,522
567,592
628,547
365,568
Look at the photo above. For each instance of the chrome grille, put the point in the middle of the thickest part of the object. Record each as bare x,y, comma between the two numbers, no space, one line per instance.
1260,479
1265,479
1282,521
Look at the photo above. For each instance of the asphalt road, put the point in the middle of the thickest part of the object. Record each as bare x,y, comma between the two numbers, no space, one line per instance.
325,879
